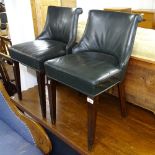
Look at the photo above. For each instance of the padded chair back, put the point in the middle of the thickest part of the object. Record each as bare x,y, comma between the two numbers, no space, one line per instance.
112,33
59,23
11,119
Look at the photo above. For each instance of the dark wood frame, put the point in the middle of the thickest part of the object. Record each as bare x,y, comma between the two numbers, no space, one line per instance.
92,108
41,86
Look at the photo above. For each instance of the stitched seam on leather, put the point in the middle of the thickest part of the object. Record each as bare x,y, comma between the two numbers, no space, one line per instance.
77,77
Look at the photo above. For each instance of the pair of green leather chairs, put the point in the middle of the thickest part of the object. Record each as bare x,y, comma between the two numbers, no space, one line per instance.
94,65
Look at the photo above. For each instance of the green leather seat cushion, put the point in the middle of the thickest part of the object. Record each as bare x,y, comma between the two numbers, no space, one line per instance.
94,71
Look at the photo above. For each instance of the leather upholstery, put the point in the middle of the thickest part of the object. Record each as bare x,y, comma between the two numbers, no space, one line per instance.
89,76
110,32
57,37
35,53
99,60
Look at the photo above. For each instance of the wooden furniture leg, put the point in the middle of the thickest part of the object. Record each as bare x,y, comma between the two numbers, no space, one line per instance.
16,70
52,99
121,92
92,112
41,90
3,73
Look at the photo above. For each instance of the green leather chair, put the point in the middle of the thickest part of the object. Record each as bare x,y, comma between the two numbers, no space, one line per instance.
98,62
56,39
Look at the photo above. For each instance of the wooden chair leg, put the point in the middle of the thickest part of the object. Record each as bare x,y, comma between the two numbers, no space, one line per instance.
121,91
92,112
16,70
52,99
41,90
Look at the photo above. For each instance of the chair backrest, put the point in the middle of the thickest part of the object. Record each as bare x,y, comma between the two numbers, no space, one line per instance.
112,33
61,24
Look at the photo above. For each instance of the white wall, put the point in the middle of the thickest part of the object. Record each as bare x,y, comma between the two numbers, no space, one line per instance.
153,4
20,20
21,30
